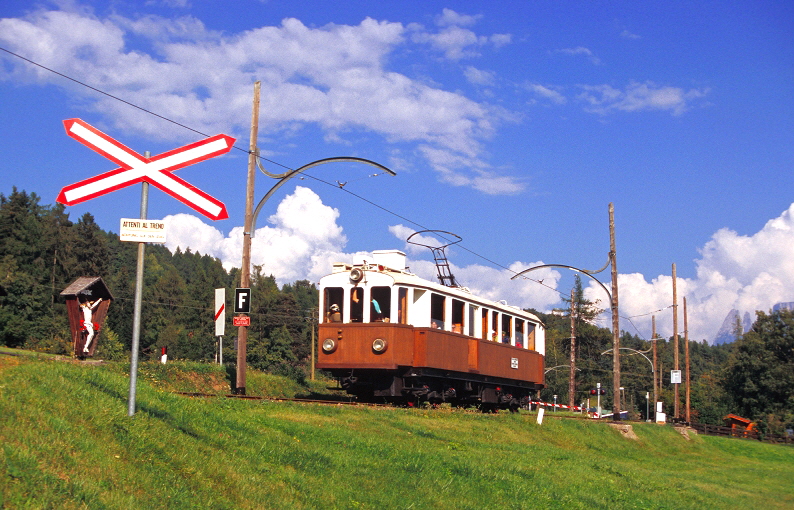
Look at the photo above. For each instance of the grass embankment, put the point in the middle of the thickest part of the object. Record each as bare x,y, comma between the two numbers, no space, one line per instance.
67,442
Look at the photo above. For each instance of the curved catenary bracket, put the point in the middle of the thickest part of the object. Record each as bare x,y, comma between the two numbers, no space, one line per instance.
635,351
583,271
292,173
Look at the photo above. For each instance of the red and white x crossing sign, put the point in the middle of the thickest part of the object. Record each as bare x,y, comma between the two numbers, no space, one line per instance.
136,168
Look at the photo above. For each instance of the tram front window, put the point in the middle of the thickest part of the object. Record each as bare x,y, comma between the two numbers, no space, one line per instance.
356,304
380,304
334,302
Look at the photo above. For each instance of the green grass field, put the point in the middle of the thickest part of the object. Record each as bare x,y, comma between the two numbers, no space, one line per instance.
67,442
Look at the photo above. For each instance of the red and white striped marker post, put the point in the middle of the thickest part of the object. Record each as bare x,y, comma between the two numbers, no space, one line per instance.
135,168
220,320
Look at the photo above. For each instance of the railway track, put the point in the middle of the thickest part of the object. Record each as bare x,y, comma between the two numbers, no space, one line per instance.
281,399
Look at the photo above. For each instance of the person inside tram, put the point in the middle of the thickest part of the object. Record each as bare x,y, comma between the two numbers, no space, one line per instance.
334,315
377,315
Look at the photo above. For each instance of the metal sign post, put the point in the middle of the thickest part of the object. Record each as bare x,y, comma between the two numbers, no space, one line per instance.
136,320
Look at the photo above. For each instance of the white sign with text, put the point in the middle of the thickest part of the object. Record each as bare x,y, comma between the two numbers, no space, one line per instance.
142,231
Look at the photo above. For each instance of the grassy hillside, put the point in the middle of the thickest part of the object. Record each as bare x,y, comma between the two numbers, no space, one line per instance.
67,442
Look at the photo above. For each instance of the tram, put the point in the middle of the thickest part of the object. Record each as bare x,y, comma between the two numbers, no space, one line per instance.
388,335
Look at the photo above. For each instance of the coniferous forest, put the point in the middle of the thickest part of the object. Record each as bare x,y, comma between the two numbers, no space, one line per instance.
42,250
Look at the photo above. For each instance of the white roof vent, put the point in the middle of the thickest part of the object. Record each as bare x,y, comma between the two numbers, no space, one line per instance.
394,259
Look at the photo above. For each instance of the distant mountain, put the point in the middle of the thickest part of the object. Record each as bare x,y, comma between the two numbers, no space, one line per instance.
727,332
783,306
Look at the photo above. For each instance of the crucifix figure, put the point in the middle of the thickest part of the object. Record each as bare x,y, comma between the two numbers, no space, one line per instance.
88,308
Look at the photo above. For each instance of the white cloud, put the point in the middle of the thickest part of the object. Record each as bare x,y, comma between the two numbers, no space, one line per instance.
581,50
332,76
454,41
301,241
747,273
449,17
605,99
478,76
448,163
546,93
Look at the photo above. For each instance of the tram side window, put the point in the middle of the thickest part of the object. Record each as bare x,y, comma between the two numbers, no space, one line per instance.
380,304
457,316
472,320
519,333
506,325
485,332
402,305
356,304
437,302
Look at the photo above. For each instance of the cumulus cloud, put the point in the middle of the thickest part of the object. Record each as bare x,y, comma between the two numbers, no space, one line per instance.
479,77
333,76
743,272
456,42
604,99
300,242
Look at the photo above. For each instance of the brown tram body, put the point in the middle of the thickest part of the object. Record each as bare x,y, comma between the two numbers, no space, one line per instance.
424,342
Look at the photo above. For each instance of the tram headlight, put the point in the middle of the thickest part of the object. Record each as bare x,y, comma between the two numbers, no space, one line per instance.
379,345
329,345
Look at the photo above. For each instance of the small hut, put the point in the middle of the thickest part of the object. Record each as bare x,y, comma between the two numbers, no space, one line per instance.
87,303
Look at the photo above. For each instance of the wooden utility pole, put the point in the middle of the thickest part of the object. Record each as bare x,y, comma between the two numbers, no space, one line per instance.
686,362
313,342
656,374
615,319
572,382
245,270
676,412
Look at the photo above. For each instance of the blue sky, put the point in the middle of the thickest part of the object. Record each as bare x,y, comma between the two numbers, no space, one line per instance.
511,124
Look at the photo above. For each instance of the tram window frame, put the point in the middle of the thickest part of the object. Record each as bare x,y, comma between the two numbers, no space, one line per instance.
333,296
495,327
437,304
357,304
531,329
381,294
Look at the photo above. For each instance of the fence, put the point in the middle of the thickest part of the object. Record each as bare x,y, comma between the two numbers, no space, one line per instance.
716,430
